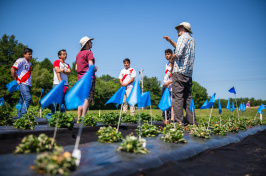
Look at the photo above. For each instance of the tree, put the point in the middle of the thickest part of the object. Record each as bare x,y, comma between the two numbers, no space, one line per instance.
153,85
199,94
47,64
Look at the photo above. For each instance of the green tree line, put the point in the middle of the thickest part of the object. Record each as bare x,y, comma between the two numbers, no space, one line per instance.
105,87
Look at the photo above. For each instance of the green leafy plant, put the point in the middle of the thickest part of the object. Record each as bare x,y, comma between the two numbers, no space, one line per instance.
64,120
5,114
129,118
200,132
45,112
110,118
174,136
148,130
89,120
109,135
144,117
219,130
170,126
54,163
27,121
157,118
31,143
133,145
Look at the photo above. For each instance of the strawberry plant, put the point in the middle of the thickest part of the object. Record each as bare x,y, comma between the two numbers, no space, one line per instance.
109,135
55,163
148,130
89,120
200,132
133,145
129,119
144,117
157,118
174,136
219,130
64,120
5,114
26,122
170,126
31,143
110,118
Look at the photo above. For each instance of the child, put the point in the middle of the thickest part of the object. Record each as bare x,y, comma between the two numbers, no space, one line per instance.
61,70
21,71
84,60
167,82
127,77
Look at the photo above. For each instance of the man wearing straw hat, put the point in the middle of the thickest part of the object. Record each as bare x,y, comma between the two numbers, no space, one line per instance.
182,72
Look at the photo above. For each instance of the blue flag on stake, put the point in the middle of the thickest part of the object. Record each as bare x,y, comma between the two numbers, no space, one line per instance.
205,105
80,91
220,107
232,90
12,86
261,107
145,99
243,107
233,107
54,96
135,94
165,101
240,107
118,96
42,92
2,101
18,106
212,100
228,105
192,105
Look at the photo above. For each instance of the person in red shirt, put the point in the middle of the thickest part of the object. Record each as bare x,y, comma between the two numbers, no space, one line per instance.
84,60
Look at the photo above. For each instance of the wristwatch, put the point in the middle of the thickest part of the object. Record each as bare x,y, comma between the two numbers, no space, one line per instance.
63,71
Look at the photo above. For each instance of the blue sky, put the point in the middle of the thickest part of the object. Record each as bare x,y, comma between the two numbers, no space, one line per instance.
229,35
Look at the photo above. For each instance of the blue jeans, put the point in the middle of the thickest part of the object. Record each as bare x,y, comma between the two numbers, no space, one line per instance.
54,105
25,99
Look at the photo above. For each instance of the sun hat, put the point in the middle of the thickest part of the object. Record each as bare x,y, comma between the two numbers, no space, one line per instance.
84,40
185,25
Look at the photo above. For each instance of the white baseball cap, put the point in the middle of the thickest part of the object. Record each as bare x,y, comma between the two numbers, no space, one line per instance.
185,25
84,40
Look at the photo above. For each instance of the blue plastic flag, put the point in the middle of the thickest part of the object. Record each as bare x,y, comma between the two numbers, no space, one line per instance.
220,107
54,96
205,105
145,99
232,90
243,107
165,101
228,105
233,107
12,86
212,100
261,107
192,105
118,96
2,101
135,94
18,106
42,92
240,107
80,91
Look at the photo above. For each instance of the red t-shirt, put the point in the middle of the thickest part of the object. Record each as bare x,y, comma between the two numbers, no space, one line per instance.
83,58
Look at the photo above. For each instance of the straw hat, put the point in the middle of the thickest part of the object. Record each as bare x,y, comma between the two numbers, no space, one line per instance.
84,40
185,25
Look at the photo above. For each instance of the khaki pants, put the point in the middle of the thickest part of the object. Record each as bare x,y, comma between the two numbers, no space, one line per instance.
125,106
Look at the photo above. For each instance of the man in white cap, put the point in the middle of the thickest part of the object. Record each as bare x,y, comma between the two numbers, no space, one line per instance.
84,60
182,72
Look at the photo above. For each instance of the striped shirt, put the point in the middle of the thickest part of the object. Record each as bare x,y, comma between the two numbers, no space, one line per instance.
185,52
23,71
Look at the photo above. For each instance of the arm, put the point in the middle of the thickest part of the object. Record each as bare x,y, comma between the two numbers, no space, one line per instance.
58,71
91,63
14,75
121,82
130,81
167,83
170,41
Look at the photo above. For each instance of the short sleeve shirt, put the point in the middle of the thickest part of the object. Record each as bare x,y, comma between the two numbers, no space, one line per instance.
126,75
82,61
168,75
23,71
62,66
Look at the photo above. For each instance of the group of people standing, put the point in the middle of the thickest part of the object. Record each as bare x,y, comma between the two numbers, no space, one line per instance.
178,74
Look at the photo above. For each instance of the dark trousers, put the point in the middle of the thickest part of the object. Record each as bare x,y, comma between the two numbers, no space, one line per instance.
181,92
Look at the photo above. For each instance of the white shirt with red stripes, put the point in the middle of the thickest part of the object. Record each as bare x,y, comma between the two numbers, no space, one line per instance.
62,66
168,75
126,75
23,71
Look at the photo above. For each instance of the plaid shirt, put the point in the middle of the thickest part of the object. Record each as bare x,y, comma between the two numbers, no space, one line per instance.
185,52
